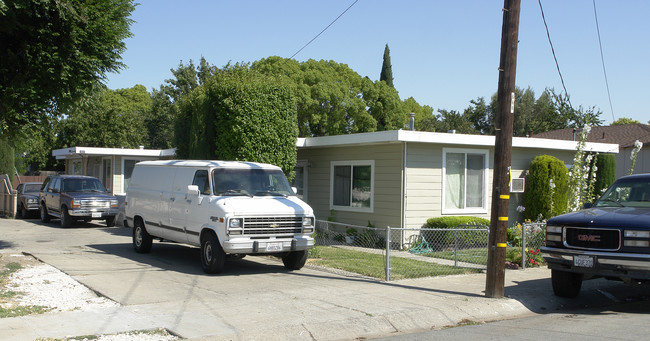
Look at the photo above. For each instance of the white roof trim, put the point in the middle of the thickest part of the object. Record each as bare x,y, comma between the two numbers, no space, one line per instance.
447,139
67,153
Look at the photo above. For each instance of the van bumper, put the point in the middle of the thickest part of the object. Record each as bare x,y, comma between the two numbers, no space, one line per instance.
270,245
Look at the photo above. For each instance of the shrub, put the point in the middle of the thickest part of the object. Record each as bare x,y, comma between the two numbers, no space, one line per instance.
447,237
542,197
605,174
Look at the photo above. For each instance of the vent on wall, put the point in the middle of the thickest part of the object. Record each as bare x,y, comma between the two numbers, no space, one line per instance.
517,185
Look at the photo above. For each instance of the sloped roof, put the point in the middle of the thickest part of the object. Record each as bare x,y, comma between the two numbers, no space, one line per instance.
624,135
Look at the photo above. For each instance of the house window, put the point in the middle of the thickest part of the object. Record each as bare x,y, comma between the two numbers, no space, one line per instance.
464,181
300,180
77,167
107,174
352,186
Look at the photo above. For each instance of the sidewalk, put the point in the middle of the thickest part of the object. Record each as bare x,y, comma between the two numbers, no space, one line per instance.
256,299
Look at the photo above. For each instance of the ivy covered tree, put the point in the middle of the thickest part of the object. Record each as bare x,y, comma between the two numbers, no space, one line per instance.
55,50
240,114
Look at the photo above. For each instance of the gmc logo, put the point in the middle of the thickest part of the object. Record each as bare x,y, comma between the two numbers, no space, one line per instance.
588,238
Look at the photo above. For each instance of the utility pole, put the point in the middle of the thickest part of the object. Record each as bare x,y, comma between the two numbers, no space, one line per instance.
494,286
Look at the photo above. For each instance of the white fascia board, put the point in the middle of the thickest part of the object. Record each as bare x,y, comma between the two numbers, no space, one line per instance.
446,139
71,152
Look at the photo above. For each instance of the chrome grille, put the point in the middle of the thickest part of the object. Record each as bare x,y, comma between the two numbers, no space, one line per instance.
95,203
272,225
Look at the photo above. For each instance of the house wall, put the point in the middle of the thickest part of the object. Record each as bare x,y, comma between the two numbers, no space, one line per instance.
387,182
623,161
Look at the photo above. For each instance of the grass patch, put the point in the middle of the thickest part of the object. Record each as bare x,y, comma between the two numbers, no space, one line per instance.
23,311
474,256
160,332
373,265
8,269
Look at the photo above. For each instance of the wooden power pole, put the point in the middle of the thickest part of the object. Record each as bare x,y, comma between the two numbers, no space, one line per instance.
494,286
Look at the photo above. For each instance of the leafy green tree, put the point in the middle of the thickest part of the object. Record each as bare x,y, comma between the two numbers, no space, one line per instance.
605,173
386,74
425,120
7,156
481,116
570,117
109,118
53,51
625,120
384,105
453,120
241,114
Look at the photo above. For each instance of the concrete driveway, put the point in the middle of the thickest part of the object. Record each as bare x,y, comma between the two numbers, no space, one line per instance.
256,298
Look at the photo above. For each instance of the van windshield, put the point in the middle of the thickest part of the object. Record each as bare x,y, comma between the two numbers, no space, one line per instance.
250,182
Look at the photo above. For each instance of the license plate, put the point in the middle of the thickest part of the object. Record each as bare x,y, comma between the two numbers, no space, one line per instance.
273,247
97,214
583,261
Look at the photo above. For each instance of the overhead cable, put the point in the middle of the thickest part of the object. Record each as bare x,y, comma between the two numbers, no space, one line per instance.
602,60
321,32
557,65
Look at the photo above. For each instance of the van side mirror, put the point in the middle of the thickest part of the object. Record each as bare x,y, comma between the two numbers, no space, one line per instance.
193,190
587,205
294,189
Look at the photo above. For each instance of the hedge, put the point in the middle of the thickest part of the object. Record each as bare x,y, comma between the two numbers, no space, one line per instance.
446,238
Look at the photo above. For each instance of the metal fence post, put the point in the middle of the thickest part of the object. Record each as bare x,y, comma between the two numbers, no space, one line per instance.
523,247
456,246
387,253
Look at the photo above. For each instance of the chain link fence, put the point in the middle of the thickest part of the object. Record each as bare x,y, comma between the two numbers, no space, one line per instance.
399,253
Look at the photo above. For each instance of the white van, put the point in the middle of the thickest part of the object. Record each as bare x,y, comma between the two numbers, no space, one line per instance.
224,207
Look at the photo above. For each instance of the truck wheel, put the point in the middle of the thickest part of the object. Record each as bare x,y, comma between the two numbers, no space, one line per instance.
66,219
45,217
566,284
23,212
142,240
295,260
110,221
212,256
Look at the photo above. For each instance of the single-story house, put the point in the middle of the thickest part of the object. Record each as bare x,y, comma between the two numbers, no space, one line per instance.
112,166
396,178
623,135
401,178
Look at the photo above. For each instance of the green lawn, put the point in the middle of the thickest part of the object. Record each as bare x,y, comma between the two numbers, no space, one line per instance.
373,265
474,256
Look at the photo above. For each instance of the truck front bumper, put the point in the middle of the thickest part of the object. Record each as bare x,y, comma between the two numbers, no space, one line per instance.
244,245
93,213
598,264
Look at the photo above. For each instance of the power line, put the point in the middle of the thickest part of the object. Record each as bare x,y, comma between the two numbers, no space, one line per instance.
321,32
602,60
557,65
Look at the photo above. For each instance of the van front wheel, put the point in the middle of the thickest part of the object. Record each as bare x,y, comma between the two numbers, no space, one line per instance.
212,256
295,260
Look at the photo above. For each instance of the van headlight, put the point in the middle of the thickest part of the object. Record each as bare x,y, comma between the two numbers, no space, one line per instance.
235,223
307,224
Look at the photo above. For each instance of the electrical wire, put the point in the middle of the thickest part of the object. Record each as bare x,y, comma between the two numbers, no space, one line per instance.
602,60
321,32
557,65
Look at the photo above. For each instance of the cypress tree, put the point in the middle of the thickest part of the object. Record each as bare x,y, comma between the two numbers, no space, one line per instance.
387,69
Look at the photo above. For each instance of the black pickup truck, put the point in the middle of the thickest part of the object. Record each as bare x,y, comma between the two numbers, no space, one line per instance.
76,197
609,238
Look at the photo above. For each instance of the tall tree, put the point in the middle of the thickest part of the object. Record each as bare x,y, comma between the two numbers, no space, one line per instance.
109,118
53,51
386,74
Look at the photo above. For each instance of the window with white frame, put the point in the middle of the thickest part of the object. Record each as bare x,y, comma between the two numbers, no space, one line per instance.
464,181
352,186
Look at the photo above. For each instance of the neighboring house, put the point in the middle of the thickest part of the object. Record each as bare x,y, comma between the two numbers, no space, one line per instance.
401,178
623,135
112,166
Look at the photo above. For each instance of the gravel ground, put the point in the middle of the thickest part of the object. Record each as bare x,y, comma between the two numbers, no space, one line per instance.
40,284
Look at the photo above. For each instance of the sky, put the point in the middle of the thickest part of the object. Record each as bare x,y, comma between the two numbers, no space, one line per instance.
443,53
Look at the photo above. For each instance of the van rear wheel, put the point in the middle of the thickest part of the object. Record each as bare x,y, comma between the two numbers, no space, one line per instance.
142,240
212,256
295,260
